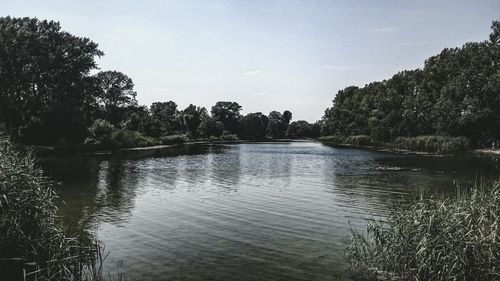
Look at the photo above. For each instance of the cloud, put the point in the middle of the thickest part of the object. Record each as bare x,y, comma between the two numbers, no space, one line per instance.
253,72
386,29
263,93
341,67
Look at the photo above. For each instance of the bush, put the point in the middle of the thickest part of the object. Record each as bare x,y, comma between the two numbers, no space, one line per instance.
359,140
101,132
126,138
30,238
434,144
433,239
335,140
228,137
173,139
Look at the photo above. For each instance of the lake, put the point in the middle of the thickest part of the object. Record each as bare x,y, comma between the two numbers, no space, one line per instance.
260,211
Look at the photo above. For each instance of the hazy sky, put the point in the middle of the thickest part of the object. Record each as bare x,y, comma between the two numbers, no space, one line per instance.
266,55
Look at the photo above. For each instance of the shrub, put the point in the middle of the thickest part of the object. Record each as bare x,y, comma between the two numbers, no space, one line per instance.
228,137
30,238
101,132
434,144
335,140
359,140
126,138
433,239
173,139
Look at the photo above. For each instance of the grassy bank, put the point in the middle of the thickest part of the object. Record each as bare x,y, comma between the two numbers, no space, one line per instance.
33,246
433,239
422,144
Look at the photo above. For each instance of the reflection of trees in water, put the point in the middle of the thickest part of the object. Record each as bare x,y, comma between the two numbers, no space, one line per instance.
226,167
78,179
374,185
96,189
92,189
118,181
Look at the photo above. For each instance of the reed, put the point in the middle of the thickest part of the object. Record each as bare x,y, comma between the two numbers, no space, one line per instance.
33,246
433,239
434,144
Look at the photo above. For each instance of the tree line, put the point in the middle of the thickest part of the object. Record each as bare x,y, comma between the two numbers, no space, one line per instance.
456,93
49,96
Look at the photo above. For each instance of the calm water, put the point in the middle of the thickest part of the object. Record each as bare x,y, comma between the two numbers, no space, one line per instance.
244,212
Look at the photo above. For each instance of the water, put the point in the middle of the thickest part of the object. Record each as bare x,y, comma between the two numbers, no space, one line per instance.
280,211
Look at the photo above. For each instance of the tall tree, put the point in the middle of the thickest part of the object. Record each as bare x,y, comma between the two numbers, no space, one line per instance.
44,85
166,117
191,118
116,92
228,113
254,126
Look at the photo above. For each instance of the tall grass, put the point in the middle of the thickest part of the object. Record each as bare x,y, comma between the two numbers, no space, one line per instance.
434,144
33,245
174,139
433,239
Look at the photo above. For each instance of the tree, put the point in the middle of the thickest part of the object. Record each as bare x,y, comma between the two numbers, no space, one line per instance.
45,92
115,92
191,117
278,124
301,130
287,117
166,116
254,126
275,125
228,113
455,94
209,127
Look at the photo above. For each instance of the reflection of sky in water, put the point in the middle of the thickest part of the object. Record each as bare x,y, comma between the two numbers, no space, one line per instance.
244,212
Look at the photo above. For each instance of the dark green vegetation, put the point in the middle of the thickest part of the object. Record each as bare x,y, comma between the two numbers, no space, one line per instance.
33,246
434,239
49,97
426,144
457,94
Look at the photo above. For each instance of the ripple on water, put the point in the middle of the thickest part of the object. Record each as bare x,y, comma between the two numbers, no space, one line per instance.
242,212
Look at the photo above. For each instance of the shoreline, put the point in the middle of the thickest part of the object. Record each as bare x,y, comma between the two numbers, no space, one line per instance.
82,149
74,150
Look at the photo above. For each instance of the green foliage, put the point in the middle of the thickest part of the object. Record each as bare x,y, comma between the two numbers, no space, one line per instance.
45,91
455,94
124,138
434,144
30,236
228,113
174,139
433,239
360,140
105,134
226,136
101,132
278,124
166,118
302,129
254,126
334,140
191,119
115,91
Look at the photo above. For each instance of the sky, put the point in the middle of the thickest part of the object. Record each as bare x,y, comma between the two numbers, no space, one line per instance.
265,55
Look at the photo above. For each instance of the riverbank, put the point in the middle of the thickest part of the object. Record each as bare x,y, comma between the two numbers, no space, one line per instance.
423,145
93,149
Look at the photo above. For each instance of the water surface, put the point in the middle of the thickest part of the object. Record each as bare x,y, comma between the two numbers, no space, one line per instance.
280,211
